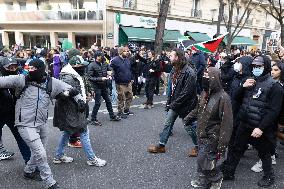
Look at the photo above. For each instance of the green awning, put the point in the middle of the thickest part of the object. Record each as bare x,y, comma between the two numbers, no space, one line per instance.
239,40
148,34
198,37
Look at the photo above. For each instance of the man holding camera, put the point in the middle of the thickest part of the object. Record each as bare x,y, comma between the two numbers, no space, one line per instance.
99,73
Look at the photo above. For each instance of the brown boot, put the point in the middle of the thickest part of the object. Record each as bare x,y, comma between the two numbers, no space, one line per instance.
156,149
193,152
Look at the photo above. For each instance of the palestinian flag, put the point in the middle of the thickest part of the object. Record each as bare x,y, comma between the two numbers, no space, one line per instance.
210,46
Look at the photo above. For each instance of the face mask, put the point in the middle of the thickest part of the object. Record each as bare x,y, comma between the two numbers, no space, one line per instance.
205,84
237,67
257,71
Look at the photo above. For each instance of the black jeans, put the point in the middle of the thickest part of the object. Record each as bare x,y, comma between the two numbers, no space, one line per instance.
263,145
135,85
104,92
150,88
24,149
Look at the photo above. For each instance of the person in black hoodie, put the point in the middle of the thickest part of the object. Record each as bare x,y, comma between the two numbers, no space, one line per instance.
7,111
227,74
151,68
261,101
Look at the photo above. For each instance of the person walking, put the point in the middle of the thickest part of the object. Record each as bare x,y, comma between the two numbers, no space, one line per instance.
98,76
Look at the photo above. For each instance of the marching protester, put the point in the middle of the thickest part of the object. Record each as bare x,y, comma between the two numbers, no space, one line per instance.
98,72
215,120
182,99
261,101
123,80
71,117
35,92
9,66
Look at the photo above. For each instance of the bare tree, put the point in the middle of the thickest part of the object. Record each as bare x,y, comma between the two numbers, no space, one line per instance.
234,30
220,16
163,13
276,9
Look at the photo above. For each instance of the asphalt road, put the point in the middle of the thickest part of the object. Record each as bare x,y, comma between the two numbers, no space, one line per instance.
129,166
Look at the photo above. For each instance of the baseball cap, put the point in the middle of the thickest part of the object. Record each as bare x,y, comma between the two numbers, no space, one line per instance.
258,61
7,61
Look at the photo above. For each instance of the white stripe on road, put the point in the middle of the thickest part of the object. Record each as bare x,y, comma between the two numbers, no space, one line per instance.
140,106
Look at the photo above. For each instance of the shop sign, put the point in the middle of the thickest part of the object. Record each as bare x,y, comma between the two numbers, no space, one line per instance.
110,35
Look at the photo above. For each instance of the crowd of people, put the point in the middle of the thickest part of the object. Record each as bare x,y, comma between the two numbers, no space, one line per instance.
228,102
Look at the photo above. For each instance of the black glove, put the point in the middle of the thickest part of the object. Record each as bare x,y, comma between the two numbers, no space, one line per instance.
81,106
73,92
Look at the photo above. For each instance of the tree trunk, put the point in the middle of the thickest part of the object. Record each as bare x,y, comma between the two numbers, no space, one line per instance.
229,27
220,17
163,13
282,33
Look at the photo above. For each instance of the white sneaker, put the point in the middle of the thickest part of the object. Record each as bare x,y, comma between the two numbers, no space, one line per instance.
165,93
273,160
257,167
63,159
250,147
96,162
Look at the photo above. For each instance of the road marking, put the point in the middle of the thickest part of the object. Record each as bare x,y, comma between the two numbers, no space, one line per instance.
139,106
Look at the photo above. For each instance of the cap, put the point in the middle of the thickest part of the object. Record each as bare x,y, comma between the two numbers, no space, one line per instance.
7,61
98,53
258,61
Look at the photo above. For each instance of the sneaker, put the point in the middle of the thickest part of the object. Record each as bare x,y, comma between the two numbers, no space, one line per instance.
151,106
76,144
146,106
216,185
6,155
55,186
257,167
198,184
33,176
122,115
266,181
96,123
250,147
115,118
96,162
273,159
63,159
165,93
127,112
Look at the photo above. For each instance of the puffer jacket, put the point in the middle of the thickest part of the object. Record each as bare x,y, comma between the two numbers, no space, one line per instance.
96,71
183,97
66,114
32,106
214,114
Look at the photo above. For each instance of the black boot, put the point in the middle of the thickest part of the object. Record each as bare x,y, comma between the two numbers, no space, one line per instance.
33,176
55,186
266,181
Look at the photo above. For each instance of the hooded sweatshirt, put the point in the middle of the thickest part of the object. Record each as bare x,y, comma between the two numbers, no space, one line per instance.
214,114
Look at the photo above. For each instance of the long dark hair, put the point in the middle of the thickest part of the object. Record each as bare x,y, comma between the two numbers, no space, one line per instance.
280,65
181,62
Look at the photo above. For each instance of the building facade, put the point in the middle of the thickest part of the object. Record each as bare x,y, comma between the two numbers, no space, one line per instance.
113,22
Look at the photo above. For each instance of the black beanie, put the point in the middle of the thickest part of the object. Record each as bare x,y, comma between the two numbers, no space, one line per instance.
39,74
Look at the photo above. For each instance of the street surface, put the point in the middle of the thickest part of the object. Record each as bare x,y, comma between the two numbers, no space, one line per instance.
129,166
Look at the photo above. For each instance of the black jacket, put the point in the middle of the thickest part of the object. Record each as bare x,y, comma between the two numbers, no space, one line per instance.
66,114
198,60
122,70
184,96
154,65
96,71
137,64
7,103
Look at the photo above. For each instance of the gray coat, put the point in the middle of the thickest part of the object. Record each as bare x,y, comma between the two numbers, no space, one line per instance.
32,106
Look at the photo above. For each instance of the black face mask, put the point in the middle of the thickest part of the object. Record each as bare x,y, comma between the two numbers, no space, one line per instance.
38,75
5,72
205,84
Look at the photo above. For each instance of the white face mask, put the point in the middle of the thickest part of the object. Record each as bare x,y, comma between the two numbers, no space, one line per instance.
237,67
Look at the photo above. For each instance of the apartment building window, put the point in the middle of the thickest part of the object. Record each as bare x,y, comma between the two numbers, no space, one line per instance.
195,11
41,2
23,5
77,4
130,4
9,5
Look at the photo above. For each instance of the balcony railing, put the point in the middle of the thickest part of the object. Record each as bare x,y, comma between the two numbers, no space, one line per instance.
196,13
249,22
52,15
277,26
130,4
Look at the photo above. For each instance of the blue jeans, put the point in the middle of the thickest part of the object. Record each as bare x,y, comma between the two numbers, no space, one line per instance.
113,94
191,131
169,123
85,140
